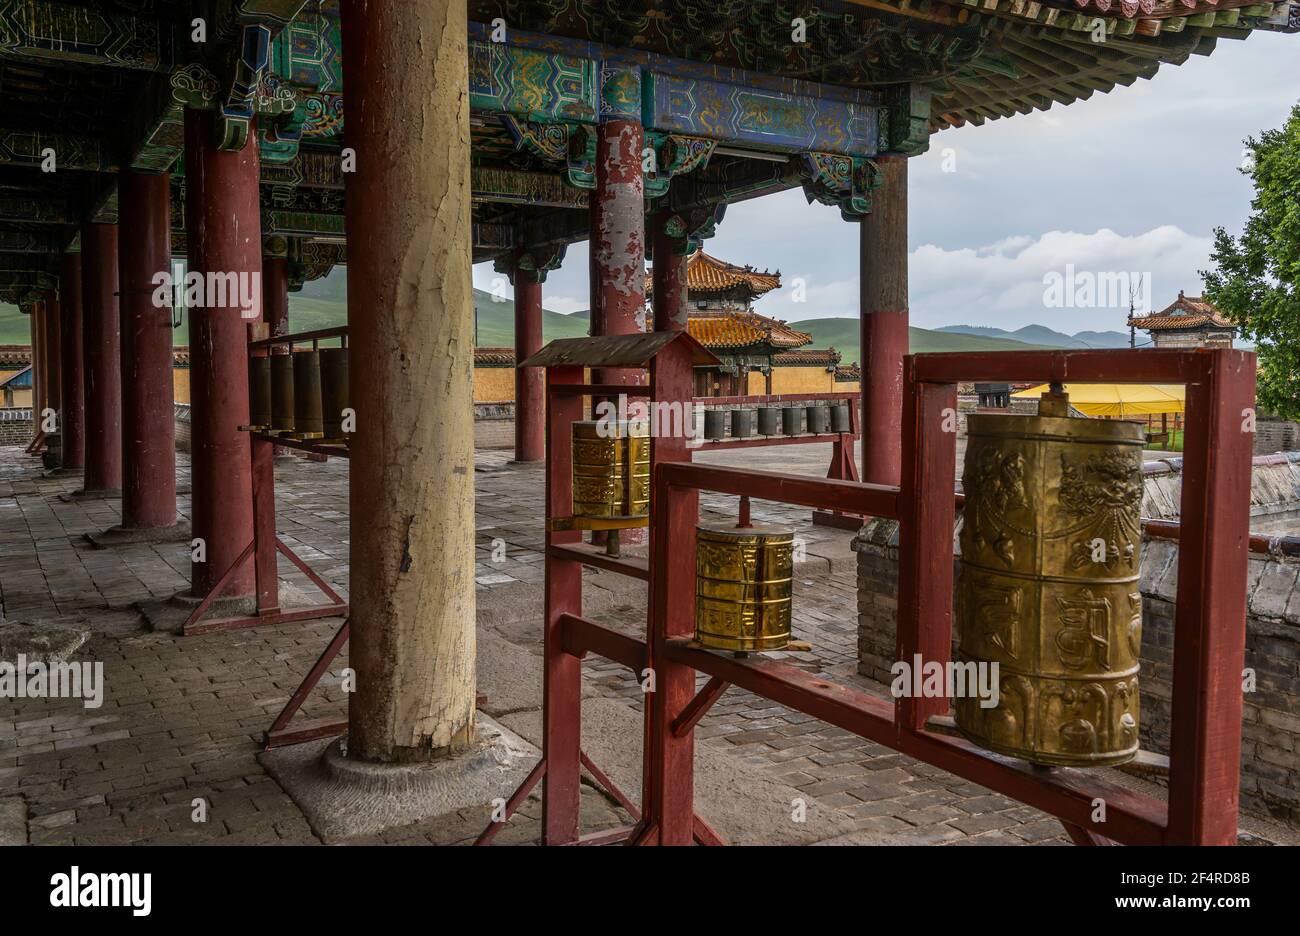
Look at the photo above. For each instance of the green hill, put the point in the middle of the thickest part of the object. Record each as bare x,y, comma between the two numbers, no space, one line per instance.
843,335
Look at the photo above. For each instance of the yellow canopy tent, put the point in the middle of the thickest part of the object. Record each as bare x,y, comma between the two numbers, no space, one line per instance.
1123,401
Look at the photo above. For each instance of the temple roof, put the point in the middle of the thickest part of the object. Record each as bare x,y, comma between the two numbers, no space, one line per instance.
743,330
807,357
1183,312
707,274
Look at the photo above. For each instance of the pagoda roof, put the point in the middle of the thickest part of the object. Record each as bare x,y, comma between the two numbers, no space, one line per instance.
808,357
707,274
1183,312
743,330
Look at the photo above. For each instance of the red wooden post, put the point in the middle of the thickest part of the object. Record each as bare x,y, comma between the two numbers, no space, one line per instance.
562,680
884,323
103,377
51,355
148,417
72,416
1210,621
670,794
39,398
530,382
264,550
927,513
223,218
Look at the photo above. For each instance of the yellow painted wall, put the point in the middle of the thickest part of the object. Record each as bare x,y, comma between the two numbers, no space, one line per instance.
848,386
803,380
756,384
181,384
494,384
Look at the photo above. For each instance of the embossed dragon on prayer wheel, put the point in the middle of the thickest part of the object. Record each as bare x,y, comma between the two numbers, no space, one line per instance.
1051,543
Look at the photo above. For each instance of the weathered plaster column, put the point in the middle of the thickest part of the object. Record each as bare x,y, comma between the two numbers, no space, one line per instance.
884,324
72,421
103,365
148,417
412,341
530,382
669,298
223,220
618,215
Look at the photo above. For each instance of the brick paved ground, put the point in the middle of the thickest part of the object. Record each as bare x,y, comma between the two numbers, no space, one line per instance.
183,717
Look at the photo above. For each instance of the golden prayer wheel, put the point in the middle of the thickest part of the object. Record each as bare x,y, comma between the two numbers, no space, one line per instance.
743,579
308,423
282,392
259,393
611,474
334,389
1051,544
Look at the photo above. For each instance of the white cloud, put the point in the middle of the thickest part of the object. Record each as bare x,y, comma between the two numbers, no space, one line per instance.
1002,283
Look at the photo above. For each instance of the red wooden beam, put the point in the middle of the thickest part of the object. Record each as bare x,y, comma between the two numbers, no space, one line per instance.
1120,365
868,499
633,566
578,637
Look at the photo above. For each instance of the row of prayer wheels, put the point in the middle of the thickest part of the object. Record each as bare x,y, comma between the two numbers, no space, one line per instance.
743,574
817,419
301,395
1049,612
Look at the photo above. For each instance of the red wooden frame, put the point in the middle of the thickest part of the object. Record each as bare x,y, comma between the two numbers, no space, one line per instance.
1209,637
262,551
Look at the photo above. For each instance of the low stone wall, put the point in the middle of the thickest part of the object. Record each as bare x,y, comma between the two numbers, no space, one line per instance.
494,425
16,426
1270,757
1274,486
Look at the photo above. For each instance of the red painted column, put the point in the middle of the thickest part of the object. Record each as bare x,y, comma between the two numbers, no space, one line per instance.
38,365
103,365
223,219
275,294
669,271
530,382
618,216
148,417
51,352
884,324
73,417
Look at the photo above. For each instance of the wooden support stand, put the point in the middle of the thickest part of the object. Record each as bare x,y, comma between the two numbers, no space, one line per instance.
263,552
1209,637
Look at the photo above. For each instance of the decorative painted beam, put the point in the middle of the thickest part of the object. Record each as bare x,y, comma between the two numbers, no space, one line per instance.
532,84
521,187
30,242
302,223
22,147
770,121
36,31
35,208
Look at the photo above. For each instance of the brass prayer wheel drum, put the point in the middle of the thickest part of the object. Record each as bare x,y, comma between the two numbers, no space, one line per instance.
1050,543
259,393
611,473
334,389
308,423
282,392
743,579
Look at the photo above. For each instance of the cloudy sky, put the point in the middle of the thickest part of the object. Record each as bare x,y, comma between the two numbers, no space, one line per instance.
1131,181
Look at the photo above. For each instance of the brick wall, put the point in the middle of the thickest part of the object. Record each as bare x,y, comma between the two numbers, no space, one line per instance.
1270,756
1276,435
16,426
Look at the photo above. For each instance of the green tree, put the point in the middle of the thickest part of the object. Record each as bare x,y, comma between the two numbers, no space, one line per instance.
1256,282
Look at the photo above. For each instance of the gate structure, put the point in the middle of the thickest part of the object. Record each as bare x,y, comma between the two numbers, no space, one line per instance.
1209,636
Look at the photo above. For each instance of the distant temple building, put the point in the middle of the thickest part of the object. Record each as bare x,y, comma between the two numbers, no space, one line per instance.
1189,322
758,354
